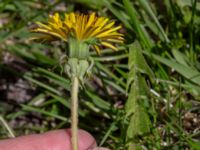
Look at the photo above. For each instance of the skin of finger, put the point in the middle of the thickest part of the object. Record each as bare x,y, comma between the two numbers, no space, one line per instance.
53,140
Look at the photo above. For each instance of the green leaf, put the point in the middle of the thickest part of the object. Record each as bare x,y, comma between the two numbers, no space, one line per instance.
98,101
128,6
58,79
106,70
145,4
136,59
180,57
139,123
136,113
39,110
45,86
91,3
188,72
194,144
137,63
118,13
137,94
131,103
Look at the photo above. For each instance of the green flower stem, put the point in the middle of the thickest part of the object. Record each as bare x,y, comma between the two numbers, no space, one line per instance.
76,68
74,112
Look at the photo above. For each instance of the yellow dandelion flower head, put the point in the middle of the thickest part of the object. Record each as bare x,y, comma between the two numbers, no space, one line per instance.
82,27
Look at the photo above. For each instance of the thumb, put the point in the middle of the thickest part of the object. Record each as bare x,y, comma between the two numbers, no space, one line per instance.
53,140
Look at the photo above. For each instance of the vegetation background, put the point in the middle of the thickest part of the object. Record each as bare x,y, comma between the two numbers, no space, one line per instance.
145,96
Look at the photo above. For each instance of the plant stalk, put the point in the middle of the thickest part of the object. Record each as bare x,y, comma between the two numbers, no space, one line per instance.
74,113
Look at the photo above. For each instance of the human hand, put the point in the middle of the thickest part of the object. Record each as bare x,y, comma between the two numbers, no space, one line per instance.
53,140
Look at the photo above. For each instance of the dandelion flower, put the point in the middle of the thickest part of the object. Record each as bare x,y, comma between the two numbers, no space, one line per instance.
100,30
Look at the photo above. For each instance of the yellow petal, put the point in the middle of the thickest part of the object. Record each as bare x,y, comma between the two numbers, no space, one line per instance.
89,31
43,37
100,27
82,27
97,49
50,33
109,25
106,44
108,31
43,25
56,17
99,21
72,17
91,19
40,30
107,35
115,40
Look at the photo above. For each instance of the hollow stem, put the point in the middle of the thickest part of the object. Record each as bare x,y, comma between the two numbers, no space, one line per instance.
74,113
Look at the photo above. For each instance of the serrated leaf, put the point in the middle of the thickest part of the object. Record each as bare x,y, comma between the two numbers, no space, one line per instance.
138,92
132,100
137,63
142,123
139,124
137,59
136,114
